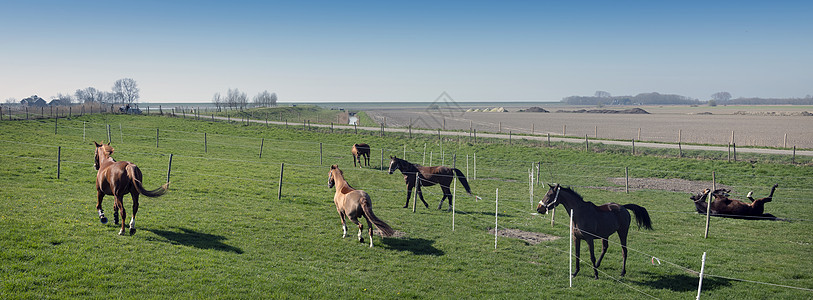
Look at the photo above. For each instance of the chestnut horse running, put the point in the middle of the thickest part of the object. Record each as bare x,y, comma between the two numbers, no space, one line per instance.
359,151
440,175
118,178
595,222
352,203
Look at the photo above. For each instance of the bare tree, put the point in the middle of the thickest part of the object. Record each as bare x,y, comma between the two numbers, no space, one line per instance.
217,100
603,94
11,100
62,99
721,96
88,95
235,98
126,90
265,99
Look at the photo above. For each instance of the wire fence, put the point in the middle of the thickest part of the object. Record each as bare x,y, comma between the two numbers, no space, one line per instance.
551,171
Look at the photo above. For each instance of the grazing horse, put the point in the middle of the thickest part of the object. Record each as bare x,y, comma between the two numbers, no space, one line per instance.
359,151
429,176
352,203
725,207
595,222
118,178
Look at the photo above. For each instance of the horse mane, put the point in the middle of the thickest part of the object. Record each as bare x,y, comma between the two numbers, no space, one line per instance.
578,196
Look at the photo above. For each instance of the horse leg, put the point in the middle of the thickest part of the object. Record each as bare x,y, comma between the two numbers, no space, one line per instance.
135,210
344,225
623,237
420,194
577,250
592,258
446,194
355,158
361,227
367,159
369,231
120,205
604,245
99,197
409,195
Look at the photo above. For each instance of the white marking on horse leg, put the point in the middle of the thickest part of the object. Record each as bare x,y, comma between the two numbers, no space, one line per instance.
344,231
132,222
360,239
121,232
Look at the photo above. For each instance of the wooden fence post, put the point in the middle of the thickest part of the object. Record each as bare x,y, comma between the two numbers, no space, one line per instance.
58,162
417,184
627,179
262,143
708,203
156,137
205,144
108,134
169,169
382,159
320,154
279,191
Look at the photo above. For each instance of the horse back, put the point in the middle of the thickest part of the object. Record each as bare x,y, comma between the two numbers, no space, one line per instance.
114,179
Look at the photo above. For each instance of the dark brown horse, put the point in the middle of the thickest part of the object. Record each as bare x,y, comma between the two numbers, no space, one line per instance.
359,151
119,178
595,222
429,176
352,203
726,207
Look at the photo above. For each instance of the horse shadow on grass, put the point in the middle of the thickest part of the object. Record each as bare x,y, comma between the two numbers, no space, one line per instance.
681,282
416,246
191,238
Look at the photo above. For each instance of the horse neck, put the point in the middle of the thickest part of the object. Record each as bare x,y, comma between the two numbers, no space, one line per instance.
341,185
570,201
104,160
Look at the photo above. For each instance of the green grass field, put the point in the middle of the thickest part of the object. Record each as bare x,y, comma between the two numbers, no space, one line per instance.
221,232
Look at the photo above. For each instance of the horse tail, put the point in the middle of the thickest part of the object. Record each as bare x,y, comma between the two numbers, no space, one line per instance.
463,180
135,174
641,215
367,207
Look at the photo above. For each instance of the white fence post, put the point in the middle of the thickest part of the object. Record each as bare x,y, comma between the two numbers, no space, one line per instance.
496,213
702,268
571,249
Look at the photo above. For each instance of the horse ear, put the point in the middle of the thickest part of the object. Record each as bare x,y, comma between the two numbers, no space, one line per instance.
334,167
97,144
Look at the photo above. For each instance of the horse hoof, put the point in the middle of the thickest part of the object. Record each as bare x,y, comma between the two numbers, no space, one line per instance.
121,232
103,220
132,231
361,240
405,206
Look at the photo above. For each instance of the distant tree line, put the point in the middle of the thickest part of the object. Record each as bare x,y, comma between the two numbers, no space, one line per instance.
235,99
604,98
807,100
124,91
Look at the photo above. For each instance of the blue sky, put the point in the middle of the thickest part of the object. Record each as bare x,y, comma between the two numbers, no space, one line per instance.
311,51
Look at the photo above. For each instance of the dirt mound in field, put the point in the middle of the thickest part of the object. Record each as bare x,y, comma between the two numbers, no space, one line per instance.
534,109
606,111
532,238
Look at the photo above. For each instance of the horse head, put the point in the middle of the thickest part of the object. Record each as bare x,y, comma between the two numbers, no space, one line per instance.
104,149
330,181
550,200
394,164
700,197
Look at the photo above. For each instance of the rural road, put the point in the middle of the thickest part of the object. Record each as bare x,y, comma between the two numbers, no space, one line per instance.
552,139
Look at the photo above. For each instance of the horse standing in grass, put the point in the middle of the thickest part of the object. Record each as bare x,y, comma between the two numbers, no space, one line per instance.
118,178
723,206
352,203
359,151
595,222
429,176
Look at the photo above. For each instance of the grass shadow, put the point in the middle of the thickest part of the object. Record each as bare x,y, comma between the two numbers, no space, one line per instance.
188,237
416,246
681,282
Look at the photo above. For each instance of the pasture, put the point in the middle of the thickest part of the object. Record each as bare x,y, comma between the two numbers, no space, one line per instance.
222,232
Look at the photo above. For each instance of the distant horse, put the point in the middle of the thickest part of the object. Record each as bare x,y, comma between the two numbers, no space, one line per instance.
352,203
429,176
725,207
118,178
358,151
595,222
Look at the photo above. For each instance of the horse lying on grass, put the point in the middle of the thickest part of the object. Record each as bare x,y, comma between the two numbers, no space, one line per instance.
722,206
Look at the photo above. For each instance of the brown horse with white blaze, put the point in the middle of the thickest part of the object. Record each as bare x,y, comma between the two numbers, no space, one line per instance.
352,203
118,178
360,151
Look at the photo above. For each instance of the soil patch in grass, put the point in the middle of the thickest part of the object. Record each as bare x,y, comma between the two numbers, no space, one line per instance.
532,238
